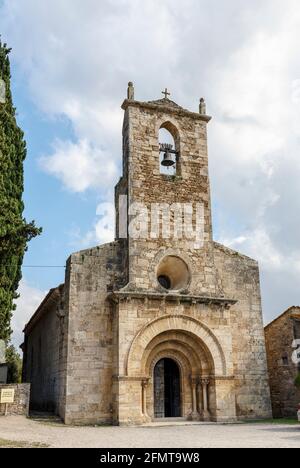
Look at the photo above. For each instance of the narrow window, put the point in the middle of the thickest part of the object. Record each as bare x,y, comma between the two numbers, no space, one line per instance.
167,155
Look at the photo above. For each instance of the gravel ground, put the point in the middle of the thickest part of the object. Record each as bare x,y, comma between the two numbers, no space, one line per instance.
18,428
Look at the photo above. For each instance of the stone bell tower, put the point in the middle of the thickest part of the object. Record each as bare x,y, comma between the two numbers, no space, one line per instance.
155,198
170,270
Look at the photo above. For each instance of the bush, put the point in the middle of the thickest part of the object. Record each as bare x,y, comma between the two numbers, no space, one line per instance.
14,361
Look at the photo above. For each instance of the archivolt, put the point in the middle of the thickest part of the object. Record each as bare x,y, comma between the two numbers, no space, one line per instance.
199,333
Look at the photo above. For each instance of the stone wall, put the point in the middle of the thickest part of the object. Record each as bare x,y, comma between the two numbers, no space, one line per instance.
91,274
45,353
282,371
21,403
239,276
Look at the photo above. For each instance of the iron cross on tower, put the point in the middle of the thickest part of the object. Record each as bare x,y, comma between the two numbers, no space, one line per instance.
166,93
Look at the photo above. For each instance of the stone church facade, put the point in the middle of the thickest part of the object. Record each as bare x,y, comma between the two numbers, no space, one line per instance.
153,326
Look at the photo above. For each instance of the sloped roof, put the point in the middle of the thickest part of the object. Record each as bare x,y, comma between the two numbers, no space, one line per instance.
167,102
289,311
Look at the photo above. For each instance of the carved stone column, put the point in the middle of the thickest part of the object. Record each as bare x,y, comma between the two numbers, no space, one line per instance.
206,413
144,397
195,415
199,397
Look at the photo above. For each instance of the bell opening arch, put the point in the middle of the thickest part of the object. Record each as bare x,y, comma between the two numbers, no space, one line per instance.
169,149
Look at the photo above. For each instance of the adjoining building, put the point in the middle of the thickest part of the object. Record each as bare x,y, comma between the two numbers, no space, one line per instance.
154,325
281,344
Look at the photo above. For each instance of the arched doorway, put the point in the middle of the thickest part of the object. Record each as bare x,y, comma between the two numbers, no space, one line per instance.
167,391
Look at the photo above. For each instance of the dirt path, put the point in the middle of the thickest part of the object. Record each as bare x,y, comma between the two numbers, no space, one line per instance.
17,428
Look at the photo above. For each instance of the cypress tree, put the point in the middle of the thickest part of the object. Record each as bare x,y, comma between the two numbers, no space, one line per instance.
14,230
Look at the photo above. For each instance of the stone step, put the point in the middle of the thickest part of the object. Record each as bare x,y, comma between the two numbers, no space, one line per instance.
175,422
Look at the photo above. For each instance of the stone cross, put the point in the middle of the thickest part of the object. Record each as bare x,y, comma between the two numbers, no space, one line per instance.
166,93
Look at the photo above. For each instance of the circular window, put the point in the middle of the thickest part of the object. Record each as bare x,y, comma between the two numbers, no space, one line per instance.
173,273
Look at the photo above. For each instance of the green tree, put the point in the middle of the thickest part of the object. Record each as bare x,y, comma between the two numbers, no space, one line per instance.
14,361
15,232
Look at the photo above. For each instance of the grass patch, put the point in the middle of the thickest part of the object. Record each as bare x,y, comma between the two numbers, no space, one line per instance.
21,444
285,421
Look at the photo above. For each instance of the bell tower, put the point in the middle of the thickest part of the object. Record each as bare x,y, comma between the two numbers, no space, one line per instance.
164,198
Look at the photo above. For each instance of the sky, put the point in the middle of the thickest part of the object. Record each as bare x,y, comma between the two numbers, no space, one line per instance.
71,62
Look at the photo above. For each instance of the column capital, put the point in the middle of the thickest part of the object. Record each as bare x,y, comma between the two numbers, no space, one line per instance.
194,380
205,381
145,382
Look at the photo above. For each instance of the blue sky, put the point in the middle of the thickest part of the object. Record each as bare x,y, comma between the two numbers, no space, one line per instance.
56,210
71,63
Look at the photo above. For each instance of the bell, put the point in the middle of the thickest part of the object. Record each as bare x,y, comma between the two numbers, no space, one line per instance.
167,161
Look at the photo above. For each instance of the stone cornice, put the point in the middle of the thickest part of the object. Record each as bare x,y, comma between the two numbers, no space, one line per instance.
146,378
222,377
167,107
139,378
117,296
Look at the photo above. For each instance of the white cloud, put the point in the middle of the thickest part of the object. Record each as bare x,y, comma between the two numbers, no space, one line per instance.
103,230
27,303
257,244
78,57
254,156
80,165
